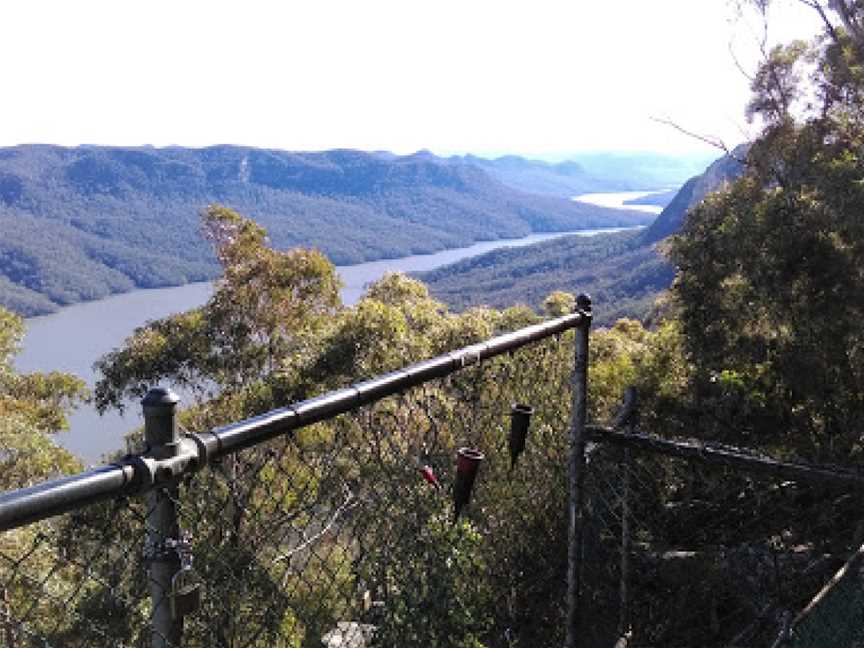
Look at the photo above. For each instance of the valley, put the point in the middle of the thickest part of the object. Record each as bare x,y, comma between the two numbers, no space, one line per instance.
624,272
102,325
328,200
86,222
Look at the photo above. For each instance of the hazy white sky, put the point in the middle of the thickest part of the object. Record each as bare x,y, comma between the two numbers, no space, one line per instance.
531,77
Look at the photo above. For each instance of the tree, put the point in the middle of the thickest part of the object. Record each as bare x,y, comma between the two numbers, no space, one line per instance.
771,271
267,307
32,408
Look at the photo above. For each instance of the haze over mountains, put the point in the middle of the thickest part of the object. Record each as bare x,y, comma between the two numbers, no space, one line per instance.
624,272
591,172
81,223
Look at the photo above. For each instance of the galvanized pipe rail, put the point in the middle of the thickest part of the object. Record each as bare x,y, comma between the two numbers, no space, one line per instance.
695,451
166,465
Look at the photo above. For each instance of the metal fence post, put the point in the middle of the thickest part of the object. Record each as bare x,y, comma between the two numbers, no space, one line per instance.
576,473
161,436
628,419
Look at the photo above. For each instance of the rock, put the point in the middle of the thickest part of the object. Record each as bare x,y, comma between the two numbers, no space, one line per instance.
349,634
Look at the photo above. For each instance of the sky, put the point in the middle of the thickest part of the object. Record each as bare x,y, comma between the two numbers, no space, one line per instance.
533,77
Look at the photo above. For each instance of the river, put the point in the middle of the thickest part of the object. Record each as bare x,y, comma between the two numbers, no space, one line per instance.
618,200
76,336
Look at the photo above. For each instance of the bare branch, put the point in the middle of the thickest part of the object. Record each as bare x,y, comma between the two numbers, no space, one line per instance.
716,142
820,9
738,65
349,503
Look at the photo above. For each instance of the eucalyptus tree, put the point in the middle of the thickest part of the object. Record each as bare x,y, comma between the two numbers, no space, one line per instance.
771,271
266,309
33,406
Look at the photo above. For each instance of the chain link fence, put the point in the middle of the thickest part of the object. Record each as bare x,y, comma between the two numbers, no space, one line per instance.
338,532
350,521
835,616
688,545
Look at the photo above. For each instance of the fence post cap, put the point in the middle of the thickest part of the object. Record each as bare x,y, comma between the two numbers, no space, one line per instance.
583,302
160,397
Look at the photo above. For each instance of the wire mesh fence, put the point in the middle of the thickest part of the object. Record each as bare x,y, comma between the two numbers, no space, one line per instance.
342,531
360,528
684,552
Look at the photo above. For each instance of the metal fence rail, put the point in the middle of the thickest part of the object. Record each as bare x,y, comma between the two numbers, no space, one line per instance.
140,475
316,523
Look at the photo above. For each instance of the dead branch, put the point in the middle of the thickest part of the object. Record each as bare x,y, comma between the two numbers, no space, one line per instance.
716,142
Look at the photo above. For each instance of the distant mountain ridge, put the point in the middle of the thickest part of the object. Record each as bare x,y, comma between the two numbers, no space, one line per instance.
589,172
623,272
565,179
84,222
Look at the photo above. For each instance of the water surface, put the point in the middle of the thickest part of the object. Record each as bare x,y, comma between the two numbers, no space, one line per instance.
617,200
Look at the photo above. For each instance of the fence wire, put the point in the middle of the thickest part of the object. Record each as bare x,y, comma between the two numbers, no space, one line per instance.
681,553
835,616
333,535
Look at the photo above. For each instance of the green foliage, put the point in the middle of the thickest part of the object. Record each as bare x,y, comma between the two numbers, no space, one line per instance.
32,406
28,455
627,354
258,321
777,86
11,332
559,303
444,577
770,282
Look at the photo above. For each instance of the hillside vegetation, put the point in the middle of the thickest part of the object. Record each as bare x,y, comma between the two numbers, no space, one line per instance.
624,271
272,333
81,223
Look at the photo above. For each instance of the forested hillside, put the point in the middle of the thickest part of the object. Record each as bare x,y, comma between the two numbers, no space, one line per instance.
81,223
624,271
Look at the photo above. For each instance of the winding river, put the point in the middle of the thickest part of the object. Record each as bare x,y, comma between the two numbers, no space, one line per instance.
75,337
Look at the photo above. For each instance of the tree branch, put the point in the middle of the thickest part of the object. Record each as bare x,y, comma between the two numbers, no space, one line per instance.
848,16
738,65
350,502
820,9
716,142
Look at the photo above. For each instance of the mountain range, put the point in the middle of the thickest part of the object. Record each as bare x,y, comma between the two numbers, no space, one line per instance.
590,172
83,222
624,272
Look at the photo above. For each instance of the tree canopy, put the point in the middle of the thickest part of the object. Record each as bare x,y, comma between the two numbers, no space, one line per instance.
32,407
770,283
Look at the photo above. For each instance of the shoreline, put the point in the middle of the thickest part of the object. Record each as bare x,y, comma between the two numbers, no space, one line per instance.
494,243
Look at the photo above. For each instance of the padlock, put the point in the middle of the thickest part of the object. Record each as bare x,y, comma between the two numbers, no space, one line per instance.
185,593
